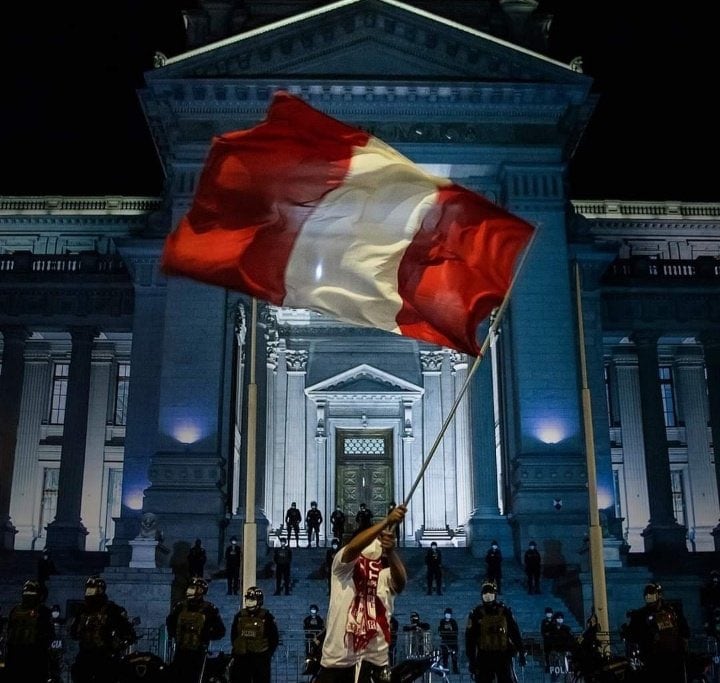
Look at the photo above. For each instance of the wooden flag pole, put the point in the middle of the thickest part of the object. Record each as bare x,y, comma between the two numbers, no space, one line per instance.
250,527
597,563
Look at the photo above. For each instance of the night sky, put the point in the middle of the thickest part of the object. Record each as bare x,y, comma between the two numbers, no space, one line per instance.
72,124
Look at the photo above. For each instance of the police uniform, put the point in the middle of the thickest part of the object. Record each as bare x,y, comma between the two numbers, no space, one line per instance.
313,625
192,624
293,519
660,632
313,519
337,519
103,632
282,558
254,636
492,638
448,632
29,634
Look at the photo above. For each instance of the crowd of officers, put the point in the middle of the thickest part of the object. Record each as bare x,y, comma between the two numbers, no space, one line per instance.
656,637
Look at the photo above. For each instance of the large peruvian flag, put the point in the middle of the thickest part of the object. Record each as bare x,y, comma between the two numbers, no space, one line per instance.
306,212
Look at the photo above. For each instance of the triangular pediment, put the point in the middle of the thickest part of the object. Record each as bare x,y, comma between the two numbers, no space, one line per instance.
364,379
366,39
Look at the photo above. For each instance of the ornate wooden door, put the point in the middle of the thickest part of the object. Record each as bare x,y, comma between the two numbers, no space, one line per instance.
364,472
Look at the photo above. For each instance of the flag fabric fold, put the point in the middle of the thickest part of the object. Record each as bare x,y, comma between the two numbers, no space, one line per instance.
305,211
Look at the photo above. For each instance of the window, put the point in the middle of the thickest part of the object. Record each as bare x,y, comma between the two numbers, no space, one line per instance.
122,386
48,501
59,393
668,396
678,496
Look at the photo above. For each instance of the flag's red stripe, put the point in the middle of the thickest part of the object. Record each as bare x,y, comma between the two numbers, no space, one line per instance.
458,268
257,189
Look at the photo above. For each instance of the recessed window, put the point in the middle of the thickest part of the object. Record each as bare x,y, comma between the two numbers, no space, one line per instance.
122,387
59,393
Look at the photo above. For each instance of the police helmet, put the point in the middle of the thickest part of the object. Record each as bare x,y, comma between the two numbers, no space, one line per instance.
489,587
199,585
31,588
95,586
254,594
652,588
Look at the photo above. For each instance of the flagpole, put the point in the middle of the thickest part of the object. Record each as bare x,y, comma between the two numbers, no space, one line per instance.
250,528
597,564
495,318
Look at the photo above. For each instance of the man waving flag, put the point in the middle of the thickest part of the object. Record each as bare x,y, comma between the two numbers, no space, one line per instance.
304,211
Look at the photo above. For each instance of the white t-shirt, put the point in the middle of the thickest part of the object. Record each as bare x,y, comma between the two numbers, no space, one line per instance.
337,650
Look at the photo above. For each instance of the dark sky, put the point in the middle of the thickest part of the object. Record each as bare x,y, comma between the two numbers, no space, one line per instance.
71,122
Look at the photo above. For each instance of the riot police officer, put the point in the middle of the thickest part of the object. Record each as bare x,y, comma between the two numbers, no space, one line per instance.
103,632
492,638
313,519
293,517
313,626
448,632
337,519
192,624
254,636
29,633
660,633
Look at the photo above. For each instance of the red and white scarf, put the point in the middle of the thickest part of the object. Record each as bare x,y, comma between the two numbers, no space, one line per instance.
367,615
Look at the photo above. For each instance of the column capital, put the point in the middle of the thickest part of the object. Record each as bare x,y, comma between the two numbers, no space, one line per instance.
83,334
645,338
14,334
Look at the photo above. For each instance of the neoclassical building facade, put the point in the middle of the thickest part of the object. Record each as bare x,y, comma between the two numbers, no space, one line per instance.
125,392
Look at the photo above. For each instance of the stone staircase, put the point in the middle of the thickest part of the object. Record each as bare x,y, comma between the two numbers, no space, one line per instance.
463,575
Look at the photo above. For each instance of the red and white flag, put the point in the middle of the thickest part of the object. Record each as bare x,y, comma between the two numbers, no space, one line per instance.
304,211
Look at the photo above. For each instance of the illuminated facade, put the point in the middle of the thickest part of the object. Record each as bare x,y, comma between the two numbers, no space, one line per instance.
127,390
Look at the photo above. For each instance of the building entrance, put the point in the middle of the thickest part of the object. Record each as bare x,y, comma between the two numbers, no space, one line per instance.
364,472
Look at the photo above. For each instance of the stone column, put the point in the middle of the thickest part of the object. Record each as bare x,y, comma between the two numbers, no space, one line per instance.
690,383
711,349
664,537
11,385
433,411
67,531
295,458
463,449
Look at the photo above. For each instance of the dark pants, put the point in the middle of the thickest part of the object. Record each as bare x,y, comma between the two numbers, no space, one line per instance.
233,581
434,574
533,581
250,668
495,667
449,652
294,529
93,666
187,666
26,664
282,576
316,531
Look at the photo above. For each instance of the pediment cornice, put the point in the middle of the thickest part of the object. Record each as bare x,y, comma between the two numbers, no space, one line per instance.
366,37
364,378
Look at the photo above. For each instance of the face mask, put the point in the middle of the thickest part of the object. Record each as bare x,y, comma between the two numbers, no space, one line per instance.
91,592
559,621
494,547
532,547
250,603
335,546
55,615
448,616
548,615
313,612
651,598
233,542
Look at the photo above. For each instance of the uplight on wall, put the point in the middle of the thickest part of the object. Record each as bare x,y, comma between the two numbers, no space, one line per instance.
550,433
604,499
187,433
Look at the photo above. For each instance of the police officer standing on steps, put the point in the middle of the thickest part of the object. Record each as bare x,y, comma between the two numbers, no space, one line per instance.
282,557
661,633
313,519
547,628
433,565
192,624
337,520
492,639
103,631
29,634
292,520
532,561
197,557
363,518
448,632
493,562
313,625
233,560
254,637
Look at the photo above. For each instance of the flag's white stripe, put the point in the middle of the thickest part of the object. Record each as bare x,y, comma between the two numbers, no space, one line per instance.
346,257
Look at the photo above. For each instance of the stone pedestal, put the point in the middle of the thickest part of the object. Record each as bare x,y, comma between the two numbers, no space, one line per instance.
143,553
666,541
